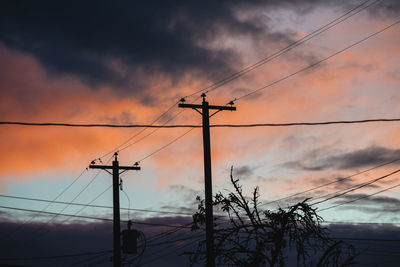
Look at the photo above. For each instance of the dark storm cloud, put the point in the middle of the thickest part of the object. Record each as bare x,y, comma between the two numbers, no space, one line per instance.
86,38
318,160
83,38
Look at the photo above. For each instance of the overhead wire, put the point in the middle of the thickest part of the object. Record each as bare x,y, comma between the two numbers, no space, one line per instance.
330,183
96,206
342,192
137,134
55,257
348,14
50,202
95,218
359,198
85,260
251,125
317,63
168,251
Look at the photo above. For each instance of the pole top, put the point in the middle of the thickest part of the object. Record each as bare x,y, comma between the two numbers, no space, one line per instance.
203,95
115,155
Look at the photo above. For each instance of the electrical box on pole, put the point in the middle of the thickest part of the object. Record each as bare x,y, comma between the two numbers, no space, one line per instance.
129,240
205,107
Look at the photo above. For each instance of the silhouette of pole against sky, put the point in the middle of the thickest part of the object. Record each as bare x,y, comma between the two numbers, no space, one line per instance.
116,186
205,107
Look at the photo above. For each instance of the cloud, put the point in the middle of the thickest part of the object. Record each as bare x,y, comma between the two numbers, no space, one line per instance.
188,194
76,238
119,43
244,172
323,159
103,42
380,204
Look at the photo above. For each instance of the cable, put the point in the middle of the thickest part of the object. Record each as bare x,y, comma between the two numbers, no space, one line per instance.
330,183
318,62
155,130
352,188
165,146
169,252
94,218
68,204
199,126
286,49
175,240
96,206
367,223
354,200
133,136
367,239
53,213
82,261
56,257
50,202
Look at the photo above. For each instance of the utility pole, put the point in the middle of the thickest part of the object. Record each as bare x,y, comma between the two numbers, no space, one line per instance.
205,107
116,183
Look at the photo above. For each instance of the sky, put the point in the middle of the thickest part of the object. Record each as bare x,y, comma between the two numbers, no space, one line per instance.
129,62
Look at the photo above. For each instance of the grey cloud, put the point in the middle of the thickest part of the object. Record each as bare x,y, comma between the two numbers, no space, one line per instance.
374,204
323,159
243,172
84,39
189,194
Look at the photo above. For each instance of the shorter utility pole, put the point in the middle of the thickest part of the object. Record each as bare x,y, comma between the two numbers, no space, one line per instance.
205,107
116,183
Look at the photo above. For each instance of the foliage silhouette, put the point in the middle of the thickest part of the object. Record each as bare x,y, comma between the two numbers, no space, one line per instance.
248,236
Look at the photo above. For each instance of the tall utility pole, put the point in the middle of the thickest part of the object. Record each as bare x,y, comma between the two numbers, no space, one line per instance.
116,183
205,107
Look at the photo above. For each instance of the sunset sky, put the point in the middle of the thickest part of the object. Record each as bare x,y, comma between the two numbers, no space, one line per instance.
127,63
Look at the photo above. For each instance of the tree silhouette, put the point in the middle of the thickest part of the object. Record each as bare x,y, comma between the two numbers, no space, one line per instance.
247,236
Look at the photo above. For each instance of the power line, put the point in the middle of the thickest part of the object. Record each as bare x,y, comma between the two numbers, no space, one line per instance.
353,188
93,218
367,223
166,145
95,206
53,201
280,52
199,126
177,248
317,63
330,183
363,197
367,239
152,132
133,136
55,213
55,257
